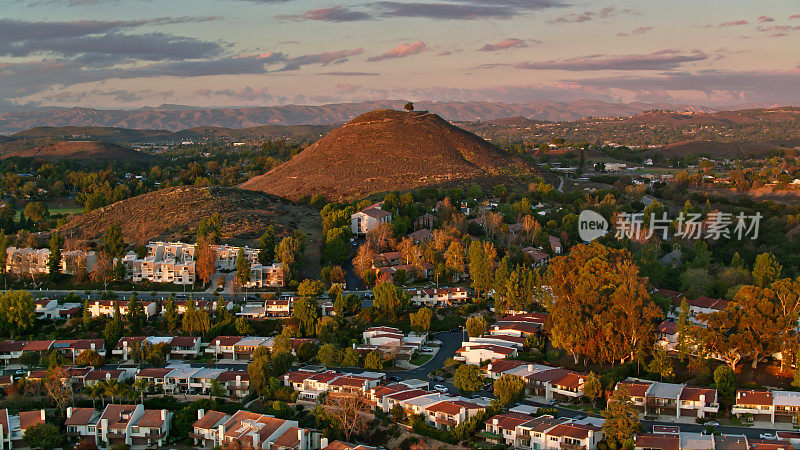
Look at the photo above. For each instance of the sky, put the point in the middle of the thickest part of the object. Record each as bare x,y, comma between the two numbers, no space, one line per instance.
134,53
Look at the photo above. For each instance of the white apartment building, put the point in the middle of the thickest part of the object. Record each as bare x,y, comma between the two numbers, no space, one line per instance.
368,219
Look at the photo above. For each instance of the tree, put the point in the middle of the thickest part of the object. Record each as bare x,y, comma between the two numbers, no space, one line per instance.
796,379
113,242
88,357
454,259
306,351
351,358
421,320
684,330
206,265
171,313
766,270
468,378
87,315
103,269
142,385
17,312
242,267
310,288
600,307
43,435
373,361
389,299
509,389
266,246
195,321
58,388
290,253
480,267
135,316
409,107
592,387
54,264
476,326
725,380
349,411
216,389
397,412
329,355
346,305
661,364
30,359
210,229
37,212
622,421
243,326
305,311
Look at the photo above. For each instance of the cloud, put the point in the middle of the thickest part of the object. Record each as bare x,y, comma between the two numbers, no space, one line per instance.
462,10
401,51
764,19
661,60
733,23
636,31
350,74
231,65
243,94
332,14
586,16
505,44
326,58
778,30
794,16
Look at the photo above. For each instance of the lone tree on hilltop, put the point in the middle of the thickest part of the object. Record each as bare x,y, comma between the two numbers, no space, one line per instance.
409,107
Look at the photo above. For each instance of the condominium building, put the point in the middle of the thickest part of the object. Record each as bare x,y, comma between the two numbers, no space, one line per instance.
251,430
132,425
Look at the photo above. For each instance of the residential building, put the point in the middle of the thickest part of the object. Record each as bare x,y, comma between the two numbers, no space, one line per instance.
216,429
311,384
476,354
437,297
390,340
756,405
27,261
72,261
266,276
522,431
120,424
538,257
679,400
369,219
100,308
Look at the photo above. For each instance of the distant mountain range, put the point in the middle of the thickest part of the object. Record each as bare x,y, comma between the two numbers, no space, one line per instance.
176,117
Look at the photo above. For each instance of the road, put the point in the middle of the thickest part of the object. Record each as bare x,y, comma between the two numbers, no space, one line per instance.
647,425
451,341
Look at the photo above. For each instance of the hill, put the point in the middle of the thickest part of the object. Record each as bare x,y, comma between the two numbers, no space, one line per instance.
72,150
174,117
381,151
173,214
719,150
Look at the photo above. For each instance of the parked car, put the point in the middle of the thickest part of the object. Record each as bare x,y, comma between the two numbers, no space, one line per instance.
437,378
768,436
440,389
552,402
427,349
711,423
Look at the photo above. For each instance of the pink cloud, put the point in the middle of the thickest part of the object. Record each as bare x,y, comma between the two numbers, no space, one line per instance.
794,16
503,45
733,23
401,51
765,19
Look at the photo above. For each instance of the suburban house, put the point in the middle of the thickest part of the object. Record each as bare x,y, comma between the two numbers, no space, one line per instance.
523,431
120,424
390,340
704,305
311,384
420,236
657,398
281,307
437,297
776,406
369,219
71,348
180,347
13,426
252,430
476,354
555,244
538,257
544,381
100,308
51,309
524,325
266,276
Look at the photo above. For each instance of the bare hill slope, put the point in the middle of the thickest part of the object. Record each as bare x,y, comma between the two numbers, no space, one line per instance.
385,150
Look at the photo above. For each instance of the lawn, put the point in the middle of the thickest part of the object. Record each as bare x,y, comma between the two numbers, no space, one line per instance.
419,360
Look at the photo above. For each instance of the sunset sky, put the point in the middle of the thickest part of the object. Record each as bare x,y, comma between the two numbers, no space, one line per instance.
133,53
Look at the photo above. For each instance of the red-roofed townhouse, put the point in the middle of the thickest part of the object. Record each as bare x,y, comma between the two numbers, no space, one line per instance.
755,404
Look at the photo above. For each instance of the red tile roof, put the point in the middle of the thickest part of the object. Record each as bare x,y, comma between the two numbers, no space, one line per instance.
80,416
503,365
668,327
658,441
751,397
28,419
37,346
209,419
693,394
447,407
635,389
288,439
151,419
509,420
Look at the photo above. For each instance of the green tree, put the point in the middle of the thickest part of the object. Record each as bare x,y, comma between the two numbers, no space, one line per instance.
266,246
684,330
476,326
30,359
306,312
43,435
421,320
351,358
242,326
389,299
113,330
592,387
310,288
135,316
480,267
622,421
171,313
37,212
195,321
796,379
661,364
509,389
306,351
87,315
242,267
210,229
373,361
113,241
766,270
725,380
17,312
468,378
329,355
54,264
88,357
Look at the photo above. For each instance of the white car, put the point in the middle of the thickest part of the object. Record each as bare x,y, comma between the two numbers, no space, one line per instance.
440,389
768,436
711,423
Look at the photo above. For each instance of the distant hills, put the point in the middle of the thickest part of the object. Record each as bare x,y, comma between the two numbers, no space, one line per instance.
70,150
386,150
175,117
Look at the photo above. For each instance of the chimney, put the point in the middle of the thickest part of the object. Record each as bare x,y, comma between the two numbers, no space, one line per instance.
69,412
323,442
92,345
530,367
42,413
702,399
200,413
238,380
164,414
495,421
108,375
489,367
